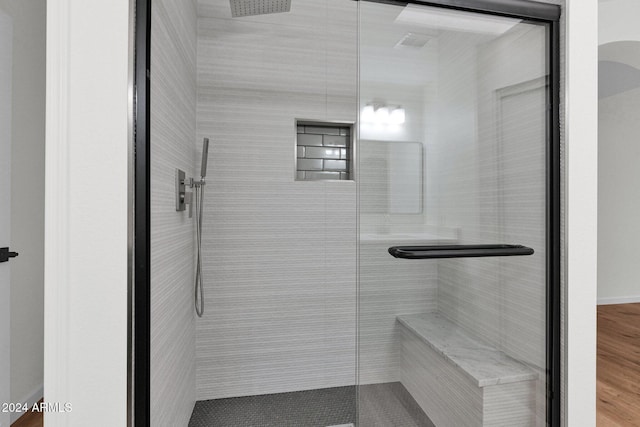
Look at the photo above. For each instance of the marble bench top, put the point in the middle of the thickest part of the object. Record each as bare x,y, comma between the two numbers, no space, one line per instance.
482,363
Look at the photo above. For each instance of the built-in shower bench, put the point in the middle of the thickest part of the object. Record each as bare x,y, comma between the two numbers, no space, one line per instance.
460,381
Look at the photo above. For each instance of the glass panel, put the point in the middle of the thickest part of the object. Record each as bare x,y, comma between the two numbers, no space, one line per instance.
273,85
457,341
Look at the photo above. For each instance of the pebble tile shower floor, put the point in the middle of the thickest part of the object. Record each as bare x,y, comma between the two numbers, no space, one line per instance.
383,405
324,407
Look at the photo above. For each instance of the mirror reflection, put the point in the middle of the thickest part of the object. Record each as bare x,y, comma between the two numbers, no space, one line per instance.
391,177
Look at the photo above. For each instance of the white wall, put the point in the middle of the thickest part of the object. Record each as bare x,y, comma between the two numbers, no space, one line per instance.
580,210
619,198
6,47
27,199
619,155
617,20
86,211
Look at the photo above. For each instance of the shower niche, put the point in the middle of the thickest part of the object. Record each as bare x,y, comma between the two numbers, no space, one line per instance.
324,151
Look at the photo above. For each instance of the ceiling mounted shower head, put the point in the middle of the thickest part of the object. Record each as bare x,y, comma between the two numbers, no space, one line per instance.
258,7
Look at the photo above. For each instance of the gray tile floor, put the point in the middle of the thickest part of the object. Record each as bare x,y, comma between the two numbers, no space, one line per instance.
381,405
389,405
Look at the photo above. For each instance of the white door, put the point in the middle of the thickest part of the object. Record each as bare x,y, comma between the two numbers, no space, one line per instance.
6,35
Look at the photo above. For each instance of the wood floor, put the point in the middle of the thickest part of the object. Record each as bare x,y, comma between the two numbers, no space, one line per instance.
30,419
618,377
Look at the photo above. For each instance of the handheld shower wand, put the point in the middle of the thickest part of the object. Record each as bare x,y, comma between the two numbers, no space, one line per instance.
199,193
205,155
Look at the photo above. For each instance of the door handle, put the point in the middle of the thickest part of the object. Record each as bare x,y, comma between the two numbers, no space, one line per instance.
5,254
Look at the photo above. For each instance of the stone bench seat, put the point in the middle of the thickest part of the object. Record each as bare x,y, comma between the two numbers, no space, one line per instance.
458,379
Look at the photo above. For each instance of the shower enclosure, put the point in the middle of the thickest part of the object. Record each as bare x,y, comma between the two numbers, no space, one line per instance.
380,237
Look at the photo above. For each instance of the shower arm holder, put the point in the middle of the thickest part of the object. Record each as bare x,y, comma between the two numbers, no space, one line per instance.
192,183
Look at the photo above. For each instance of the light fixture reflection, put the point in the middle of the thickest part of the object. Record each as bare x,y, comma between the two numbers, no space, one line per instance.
368,114
383,114
397,116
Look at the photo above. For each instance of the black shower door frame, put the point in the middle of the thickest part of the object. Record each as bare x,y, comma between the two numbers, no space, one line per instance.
140,305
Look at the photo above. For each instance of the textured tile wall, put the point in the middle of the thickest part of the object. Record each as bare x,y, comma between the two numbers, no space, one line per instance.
493,191
491,184
280,254
173,115
388,286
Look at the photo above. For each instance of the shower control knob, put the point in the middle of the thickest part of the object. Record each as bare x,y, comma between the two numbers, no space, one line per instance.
5,254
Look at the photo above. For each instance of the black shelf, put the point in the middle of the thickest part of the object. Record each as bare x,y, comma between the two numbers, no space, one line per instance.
458,251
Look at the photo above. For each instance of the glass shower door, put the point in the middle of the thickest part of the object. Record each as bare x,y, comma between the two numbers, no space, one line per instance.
456,154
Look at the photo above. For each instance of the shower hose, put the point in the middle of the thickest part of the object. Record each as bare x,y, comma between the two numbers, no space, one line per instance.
199,295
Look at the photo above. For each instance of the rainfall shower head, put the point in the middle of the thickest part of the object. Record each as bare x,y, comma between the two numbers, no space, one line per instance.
258,7
205,154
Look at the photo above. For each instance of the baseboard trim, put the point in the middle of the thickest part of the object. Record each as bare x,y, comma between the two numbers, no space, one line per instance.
619,300
30,400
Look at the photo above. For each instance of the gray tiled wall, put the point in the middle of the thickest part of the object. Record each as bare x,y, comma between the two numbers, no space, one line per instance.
279,257
324,152
173,112
491,177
